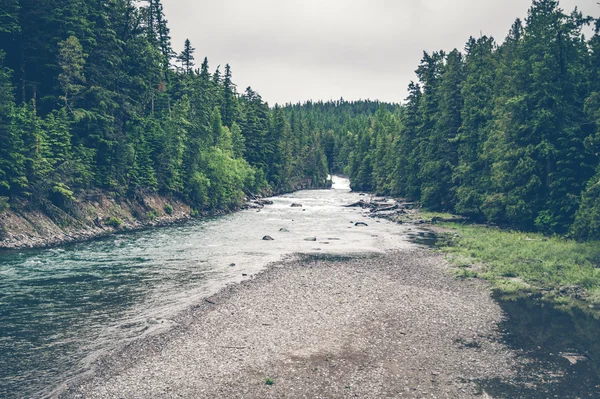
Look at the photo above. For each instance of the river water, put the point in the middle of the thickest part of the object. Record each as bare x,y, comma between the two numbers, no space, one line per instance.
61,308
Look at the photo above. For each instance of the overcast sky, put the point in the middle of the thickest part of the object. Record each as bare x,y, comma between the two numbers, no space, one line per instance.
296,50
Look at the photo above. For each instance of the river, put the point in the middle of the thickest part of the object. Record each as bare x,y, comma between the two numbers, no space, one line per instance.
61,308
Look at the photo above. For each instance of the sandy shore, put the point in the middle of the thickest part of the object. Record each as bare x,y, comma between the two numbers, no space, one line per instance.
393,326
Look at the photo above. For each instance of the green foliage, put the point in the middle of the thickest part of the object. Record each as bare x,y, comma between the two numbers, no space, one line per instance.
168,208
504,133
524,261
269,381
97,106
152,215
197,190
61,194
4,204
114,222
72,61
587,221
187,57
9,17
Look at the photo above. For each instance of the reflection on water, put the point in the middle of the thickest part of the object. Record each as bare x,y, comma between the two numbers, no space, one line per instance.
59,308
424,237
562,347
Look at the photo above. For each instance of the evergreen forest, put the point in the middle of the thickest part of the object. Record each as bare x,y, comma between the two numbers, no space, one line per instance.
93,97
505,133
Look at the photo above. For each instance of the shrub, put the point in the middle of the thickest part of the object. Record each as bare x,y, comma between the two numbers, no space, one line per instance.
152,214
168,209
113,222
4,205
63,192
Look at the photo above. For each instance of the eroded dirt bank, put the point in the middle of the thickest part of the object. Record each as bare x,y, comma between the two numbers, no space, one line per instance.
395,325
43,225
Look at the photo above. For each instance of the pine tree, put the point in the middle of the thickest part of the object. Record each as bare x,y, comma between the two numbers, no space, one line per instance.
432,138
12,160
187,57
587,219
536,143
238,141
158,32
59,146
254,130
142,173
471,173
385,127
72,62
229,104
9,17
276,138
409,144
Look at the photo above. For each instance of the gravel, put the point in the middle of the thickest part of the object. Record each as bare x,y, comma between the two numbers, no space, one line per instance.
397,325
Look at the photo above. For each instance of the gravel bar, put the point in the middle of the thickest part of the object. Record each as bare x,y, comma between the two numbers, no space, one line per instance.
390,326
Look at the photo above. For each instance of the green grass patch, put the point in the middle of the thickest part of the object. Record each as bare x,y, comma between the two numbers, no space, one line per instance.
516,261
426,215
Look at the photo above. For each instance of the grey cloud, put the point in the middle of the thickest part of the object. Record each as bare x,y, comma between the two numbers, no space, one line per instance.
295,50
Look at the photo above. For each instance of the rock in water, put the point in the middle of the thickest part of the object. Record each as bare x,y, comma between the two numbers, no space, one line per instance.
284,230
268,238
361,224
311,239
296,205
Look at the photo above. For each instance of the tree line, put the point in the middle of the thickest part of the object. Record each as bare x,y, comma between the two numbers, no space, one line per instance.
93,97
504,133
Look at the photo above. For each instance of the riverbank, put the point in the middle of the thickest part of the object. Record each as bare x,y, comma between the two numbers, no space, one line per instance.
26,225
396,325
562,270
